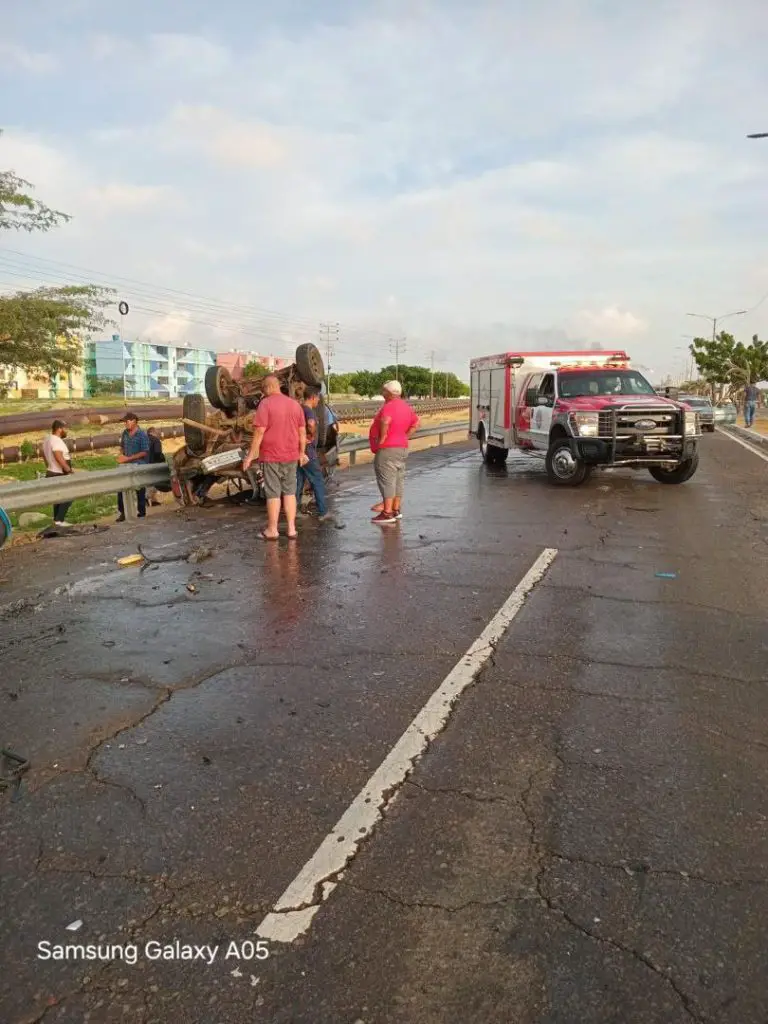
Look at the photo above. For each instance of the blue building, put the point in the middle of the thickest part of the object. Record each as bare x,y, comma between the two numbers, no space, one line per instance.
145,369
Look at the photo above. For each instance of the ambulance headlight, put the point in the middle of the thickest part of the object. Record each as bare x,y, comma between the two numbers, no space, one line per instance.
691,421
585,424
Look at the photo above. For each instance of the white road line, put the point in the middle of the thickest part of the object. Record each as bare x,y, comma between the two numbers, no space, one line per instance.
292,915
745,444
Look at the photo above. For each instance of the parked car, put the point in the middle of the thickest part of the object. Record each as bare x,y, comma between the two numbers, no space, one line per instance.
703,406
725,412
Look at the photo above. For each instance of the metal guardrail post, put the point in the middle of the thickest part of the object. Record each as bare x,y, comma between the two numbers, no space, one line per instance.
353,456
130,505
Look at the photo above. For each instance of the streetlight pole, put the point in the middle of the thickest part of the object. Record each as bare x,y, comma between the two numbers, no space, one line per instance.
714,319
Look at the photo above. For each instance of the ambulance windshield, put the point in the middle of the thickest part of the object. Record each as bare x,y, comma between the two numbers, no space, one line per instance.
591,383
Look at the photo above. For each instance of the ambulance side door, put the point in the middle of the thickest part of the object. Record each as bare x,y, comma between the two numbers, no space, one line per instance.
541,412
525,409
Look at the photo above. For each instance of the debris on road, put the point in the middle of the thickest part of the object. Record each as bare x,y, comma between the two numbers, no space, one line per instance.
12,767
130,560
192,588
193,555
75,926
666,575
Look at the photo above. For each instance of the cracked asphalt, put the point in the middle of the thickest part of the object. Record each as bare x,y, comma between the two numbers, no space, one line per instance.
586,841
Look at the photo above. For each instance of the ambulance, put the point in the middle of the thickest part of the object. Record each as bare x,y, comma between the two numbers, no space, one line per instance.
580,411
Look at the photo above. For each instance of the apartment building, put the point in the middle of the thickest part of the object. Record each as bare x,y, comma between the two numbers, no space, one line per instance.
236,361
146,369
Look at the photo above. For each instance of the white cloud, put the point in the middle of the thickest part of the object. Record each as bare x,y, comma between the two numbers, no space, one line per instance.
16,57
610,323
494,168
225,139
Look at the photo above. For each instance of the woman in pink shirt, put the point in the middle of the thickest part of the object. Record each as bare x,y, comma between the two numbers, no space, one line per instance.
392,426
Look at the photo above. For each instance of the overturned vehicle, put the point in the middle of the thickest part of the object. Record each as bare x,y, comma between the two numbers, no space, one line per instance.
217,441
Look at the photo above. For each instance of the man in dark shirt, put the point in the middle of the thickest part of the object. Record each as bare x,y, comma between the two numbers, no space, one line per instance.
751,398
134,447
312,473
155,457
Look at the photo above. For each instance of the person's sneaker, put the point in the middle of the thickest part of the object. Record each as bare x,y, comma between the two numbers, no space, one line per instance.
120,519
60,522
384,519
398,514
327,518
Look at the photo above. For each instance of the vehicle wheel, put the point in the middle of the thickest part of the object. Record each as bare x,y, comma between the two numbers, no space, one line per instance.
220,388
322,425
563,468
193,408
309,364
492,454
676,476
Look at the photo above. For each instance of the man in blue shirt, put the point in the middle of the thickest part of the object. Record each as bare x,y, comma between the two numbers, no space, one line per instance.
134,447
751,398
312,473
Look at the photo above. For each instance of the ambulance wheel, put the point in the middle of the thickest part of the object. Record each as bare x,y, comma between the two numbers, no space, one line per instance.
492,455
679,475
563,467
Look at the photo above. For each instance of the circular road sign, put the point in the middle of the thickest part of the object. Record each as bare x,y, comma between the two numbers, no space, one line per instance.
123,308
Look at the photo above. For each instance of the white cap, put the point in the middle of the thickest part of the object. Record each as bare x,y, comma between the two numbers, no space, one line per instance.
394,387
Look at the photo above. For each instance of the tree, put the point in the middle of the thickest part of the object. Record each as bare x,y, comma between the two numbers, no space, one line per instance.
365,383
41,330
728,365
19,211
339,383
255,369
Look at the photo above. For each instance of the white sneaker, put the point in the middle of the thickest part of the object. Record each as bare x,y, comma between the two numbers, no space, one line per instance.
56,522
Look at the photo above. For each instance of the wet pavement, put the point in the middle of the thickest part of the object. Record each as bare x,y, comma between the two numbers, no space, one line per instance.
585,842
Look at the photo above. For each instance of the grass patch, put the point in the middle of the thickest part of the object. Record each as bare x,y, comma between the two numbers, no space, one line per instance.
84,510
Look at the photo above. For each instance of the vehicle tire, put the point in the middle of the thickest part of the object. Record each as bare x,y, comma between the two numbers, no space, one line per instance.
220,388
309,364
193,408
492,454
563,468
676,476
322,426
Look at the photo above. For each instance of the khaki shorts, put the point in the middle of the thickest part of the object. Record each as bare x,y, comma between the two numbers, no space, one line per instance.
389,466
279,478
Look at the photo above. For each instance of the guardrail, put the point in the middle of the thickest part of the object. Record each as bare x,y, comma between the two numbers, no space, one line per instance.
351,412
30,494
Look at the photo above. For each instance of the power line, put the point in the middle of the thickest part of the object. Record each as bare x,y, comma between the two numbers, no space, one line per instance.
397,346
329,336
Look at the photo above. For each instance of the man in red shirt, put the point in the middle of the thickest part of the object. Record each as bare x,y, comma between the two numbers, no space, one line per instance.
390,431
279,444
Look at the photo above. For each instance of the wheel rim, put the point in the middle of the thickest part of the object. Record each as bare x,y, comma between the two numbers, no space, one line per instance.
564,465
483,446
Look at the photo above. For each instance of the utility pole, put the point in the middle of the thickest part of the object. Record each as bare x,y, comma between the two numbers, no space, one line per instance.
329,335
714,319
432,374
397,346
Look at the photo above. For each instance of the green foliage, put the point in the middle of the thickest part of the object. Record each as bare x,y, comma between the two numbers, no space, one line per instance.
417,382
27,449
254,369
728,364
98,387
40,331
339,383
19,211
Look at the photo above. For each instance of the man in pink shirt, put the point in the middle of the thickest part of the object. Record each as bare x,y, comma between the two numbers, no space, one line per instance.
279,444
390,431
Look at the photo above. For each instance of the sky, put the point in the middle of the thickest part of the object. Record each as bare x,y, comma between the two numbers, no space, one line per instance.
470,176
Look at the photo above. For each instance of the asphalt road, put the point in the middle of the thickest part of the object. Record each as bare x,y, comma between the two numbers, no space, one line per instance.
581,836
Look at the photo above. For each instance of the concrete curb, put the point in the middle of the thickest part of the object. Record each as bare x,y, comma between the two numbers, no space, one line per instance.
748,435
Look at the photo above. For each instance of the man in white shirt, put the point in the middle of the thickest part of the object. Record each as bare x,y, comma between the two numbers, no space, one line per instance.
58,462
